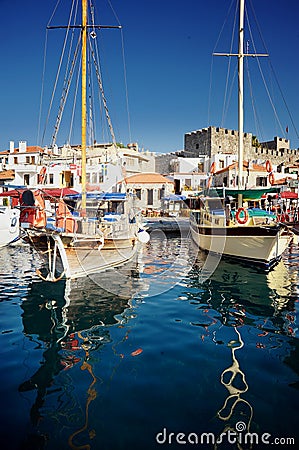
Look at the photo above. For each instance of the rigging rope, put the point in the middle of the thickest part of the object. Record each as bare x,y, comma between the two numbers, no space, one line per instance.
65,92
100,83
214,50
225,104
126,85
58,70
274,73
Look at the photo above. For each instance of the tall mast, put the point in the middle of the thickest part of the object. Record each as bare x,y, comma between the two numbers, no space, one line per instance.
83,106
241,94
241,99
241,56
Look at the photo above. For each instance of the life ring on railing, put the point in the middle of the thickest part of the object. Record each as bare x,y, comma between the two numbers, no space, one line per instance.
271,178
242,216
42,175
269,167
284,218
213,168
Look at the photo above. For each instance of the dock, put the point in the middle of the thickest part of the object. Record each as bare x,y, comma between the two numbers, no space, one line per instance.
169,225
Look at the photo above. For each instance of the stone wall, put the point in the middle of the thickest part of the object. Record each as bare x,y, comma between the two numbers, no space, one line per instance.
212,140
163,162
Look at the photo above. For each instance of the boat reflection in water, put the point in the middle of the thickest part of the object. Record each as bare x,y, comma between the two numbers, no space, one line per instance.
240,287
73,319
243,306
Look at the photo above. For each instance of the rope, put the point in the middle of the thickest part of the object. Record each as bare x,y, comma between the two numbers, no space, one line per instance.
126,85
65,92
274,74
225,104
42,89
58,71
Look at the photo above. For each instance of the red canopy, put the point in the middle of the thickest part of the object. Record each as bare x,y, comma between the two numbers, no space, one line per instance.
288,194
55,192
12,193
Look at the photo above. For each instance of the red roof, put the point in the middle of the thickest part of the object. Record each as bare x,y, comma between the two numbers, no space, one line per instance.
252,167
29,149
7,175
147,178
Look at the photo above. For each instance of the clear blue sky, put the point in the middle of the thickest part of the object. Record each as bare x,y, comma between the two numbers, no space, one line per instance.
168,49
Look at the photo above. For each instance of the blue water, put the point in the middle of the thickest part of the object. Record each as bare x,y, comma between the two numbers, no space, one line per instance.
171,348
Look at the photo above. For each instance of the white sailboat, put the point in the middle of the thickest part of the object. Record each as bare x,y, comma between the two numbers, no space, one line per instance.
76,245
241,234
9,223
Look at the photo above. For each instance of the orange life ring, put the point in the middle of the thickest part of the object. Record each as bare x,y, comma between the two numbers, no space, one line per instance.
213,168
269,167
245,216
271,178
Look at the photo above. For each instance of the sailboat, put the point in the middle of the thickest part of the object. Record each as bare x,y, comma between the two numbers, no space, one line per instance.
9,223
249,235
82,242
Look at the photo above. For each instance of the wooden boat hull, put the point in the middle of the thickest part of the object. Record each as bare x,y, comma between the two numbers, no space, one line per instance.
68,256
257,244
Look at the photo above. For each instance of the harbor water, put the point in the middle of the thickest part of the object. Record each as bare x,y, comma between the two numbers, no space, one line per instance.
176,350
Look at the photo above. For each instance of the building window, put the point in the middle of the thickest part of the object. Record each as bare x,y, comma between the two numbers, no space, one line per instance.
27,159
15,160
26,179
138,193
261,181
150,197
51,178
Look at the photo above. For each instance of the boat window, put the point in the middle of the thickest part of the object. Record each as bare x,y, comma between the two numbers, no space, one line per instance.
116,207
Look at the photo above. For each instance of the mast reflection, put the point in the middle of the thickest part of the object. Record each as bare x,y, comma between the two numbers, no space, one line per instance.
71,321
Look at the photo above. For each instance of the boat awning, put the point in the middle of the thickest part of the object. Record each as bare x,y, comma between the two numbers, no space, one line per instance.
58,192
288,194
248,194
104,196
55,192
12,193
174,198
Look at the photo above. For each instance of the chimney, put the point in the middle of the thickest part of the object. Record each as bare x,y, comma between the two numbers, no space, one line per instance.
11,146
22,146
